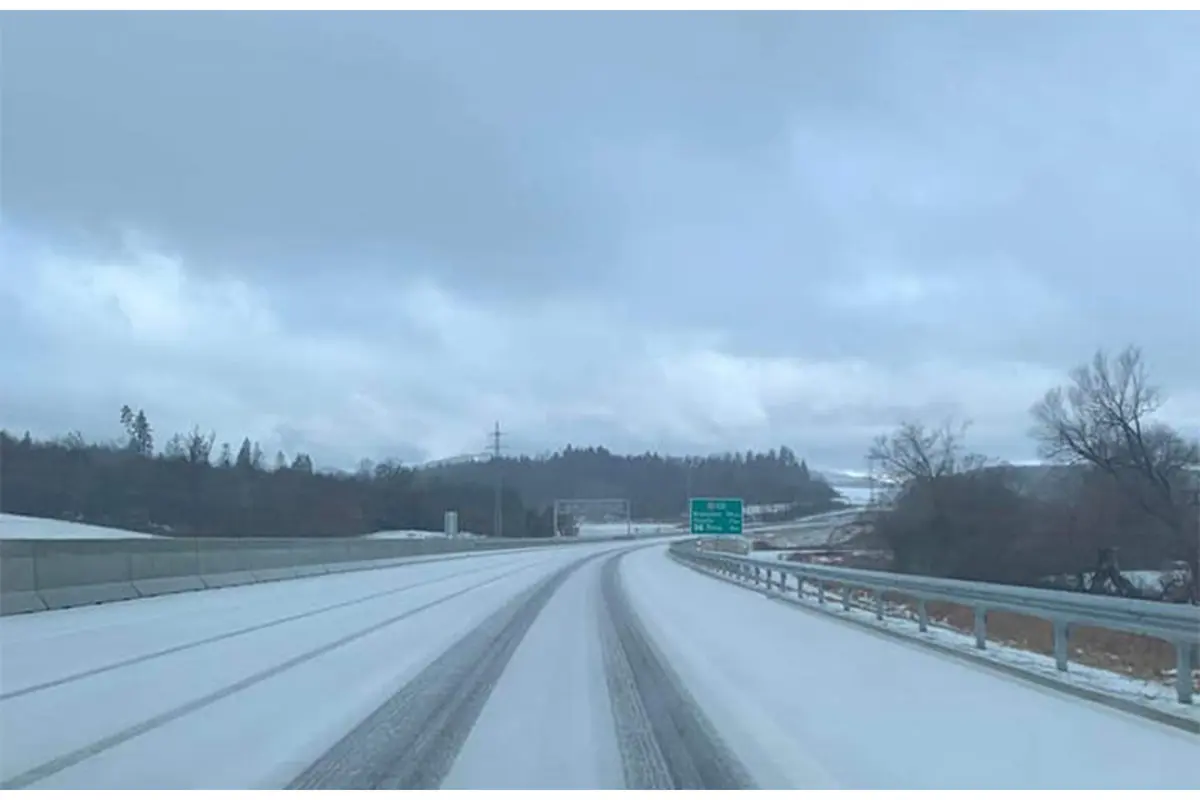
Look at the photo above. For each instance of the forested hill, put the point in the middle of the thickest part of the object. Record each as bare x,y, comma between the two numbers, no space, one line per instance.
194,486
657,486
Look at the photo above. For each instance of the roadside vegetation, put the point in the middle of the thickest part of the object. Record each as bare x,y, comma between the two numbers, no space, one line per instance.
1113,510
191,486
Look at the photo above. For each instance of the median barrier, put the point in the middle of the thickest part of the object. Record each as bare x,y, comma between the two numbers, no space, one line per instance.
274,562
164,567
18,584
44,574
82,572
310,560
223,563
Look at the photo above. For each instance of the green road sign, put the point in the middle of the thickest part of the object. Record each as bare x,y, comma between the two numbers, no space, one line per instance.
710,515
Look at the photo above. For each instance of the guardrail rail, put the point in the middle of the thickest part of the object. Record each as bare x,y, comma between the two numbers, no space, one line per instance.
1177,624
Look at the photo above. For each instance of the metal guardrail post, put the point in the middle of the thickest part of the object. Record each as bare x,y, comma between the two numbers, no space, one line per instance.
1183,671
1062,640
981,627
922,615
878,604
821,592
845,597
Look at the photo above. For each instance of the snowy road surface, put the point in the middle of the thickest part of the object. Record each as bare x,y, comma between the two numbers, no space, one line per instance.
596,666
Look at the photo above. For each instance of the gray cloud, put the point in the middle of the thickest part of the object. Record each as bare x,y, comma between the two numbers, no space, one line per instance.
376,233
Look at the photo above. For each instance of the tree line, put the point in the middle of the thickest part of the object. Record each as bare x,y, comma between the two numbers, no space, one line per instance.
1118,491
191,487
658,486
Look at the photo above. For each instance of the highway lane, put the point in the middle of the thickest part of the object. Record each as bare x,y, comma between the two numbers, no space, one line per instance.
808,701
189,717
597,666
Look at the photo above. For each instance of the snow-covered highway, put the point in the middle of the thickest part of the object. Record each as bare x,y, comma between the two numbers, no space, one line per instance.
602,665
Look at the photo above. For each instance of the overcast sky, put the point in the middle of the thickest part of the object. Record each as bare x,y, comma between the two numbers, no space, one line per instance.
374,235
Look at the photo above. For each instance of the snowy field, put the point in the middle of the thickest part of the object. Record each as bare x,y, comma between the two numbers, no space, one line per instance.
605,665
13,526
418,535
855,495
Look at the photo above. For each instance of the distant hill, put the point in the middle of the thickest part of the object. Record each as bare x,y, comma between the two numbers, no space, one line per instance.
657,486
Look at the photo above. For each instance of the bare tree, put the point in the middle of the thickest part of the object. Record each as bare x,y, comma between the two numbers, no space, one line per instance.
916,453
1104,418
948,516
198,446
175,449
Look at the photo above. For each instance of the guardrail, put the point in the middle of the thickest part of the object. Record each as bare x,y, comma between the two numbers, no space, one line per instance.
46,574
1176,624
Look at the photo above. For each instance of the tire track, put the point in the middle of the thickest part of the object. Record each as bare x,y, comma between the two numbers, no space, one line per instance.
70,759
220,637
664,739
411,741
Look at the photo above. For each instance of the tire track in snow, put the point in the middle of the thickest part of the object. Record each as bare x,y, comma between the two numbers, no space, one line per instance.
225,635
70,759
664,739
411,741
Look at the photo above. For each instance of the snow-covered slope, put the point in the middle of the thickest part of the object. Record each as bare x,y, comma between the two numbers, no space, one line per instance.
414,535
14,526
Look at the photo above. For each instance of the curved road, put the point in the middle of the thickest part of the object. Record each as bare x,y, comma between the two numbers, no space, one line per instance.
595,666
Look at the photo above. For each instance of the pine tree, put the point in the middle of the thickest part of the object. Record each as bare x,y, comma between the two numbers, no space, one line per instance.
142,439
244,454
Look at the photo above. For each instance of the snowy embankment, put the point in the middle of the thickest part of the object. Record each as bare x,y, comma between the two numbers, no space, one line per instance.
14,526
589,529
855,495
408,534
1154,693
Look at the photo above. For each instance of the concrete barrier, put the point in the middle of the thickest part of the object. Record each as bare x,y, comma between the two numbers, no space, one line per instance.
44,574
81,572
165,567
222,563
18,583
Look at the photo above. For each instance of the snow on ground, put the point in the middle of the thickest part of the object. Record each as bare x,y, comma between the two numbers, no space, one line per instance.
548,723
1151,694
808,701
621,528
281,720
767,508
418,535
815,521
902,619
14,526
857,495
808,537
